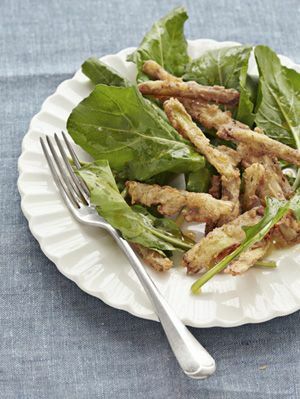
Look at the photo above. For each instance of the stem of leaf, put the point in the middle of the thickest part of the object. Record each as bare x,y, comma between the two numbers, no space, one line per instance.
266,263
177,243
219,267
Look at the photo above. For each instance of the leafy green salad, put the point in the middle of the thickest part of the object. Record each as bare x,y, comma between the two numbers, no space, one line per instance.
233,138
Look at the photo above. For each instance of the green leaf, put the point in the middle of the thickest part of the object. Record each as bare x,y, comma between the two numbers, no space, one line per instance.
167,226
226,67
164,43
279,99
274,212
100,73
118,124
134,226
199,182
248,90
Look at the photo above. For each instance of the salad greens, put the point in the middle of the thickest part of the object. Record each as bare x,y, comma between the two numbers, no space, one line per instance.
278,108
99,73
199,182
135,223
165,43
226,67
130,136
118,124
275,210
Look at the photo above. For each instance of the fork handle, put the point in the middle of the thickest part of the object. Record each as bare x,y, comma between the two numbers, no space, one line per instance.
194,360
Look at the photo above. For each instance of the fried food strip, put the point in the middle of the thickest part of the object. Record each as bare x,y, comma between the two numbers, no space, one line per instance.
286,232
183,123
208,115
198,207
219,242
153,258
230,192
169,88
155,71
268,177
253,178
215,191
248,258
223,161
228,189
233,155
260,143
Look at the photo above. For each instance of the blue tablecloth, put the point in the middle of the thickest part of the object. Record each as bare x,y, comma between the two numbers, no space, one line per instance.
56,341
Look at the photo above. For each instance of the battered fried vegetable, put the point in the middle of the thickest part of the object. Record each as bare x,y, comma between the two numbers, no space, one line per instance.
208,115
166,88
223,161
198,207
248,258
287,231
152,258
253,179
262,177
219,242
183,123
274,213
260,143
155,71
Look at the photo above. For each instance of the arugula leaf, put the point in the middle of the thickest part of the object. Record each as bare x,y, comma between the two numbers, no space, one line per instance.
199,182
164,43
118,124
226,67
274,212
278,99
135,225
100,73
168,226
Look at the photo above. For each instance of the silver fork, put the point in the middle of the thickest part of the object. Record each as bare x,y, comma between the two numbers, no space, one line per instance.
194,360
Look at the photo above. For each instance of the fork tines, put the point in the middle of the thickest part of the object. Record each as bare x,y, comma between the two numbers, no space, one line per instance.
71,186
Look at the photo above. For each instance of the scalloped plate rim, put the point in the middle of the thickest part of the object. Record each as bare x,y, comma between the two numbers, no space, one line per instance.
214,322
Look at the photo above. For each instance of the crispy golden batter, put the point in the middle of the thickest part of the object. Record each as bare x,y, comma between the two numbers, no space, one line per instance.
260,143
170,201
198,207
153,258
215,191
219,241
253,178
256,153
201,207
155,71
208,115
269,178
286,232
233,155
169,88
224,161
248,258
183,123
230,192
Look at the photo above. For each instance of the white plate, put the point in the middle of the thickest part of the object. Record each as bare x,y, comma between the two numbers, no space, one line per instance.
90,258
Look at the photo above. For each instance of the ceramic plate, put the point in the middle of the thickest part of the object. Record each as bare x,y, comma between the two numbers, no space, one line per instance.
91,259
